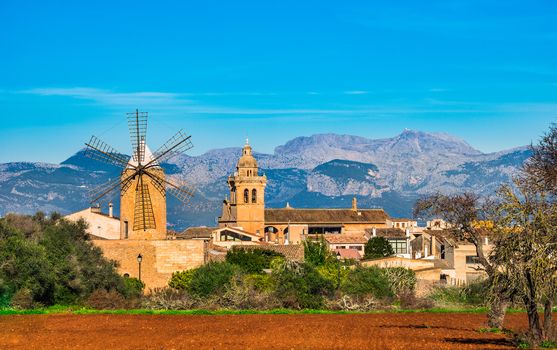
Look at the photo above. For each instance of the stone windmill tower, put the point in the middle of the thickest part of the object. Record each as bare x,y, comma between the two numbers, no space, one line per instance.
143,184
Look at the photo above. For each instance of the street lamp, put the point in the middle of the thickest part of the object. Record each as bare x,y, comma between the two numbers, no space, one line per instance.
139,259
338,276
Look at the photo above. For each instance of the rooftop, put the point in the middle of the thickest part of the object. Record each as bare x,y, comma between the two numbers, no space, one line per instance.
325,216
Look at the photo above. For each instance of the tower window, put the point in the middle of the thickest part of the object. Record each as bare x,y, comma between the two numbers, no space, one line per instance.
246,196
254,196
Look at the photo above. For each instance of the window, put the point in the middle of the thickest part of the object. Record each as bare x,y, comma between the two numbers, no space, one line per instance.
254,196
319,230
357,247
472,259
246,196
125,229
399,245
442,251
341,247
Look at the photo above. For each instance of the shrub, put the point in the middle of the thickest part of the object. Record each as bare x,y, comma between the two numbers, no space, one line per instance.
101,299
363,281
169,299
241,294
401,279
22,299
300,286
473,294
53,259
181,279
261,282
330,271
378,247
211,278
251,260
133,287
317,253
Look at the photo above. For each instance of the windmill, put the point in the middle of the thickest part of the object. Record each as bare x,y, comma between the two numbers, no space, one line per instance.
142,183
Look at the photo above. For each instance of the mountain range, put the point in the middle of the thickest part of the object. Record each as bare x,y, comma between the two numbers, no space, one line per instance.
324,170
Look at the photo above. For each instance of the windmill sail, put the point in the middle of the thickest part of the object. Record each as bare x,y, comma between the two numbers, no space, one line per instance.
137,125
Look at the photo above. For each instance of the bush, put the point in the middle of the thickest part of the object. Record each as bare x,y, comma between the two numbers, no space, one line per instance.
378,247
300,286
372,281
330,271
251,260
261,282
106,300
401,280
181,279
169,299
241,294
54,260
211,278
22,299
317,253
474,294
133,287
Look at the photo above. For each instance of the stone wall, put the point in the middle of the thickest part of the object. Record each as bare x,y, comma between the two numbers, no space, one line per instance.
160,258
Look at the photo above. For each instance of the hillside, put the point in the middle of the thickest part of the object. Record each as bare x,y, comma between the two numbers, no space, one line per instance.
324,170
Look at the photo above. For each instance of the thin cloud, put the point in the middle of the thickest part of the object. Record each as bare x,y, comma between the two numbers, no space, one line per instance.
356,92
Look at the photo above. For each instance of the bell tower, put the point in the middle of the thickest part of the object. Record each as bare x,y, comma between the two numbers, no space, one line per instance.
246,207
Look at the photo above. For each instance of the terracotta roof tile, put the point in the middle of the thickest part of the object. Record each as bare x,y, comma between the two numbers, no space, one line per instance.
349,254
325,216
339,239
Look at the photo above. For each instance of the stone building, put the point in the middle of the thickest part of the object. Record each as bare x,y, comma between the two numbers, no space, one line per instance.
245,210
152,226
123,240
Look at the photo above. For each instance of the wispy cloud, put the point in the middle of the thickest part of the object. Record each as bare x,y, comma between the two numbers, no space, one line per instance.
356,92
172,103
111,98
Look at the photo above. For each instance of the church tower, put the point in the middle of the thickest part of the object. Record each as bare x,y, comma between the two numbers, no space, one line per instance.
246,207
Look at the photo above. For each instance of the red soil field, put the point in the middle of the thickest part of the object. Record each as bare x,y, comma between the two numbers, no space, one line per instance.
372,331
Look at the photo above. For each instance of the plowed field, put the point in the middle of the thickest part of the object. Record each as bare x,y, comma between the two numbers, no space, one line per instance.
375,331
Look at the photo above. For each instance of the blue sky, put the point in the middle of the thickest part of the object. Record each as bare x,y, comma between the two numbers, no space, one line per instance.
482,70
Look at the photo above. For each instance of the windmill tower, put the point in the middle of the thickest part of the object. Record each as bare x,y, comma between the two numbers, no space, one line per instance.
142,183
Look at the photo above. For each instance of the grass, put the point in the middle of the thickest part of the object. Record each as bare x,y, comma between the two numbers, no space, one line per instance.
78,310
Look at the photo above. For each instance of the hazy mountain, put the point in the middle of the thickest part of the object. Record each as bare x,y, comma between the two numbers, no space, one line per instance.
324,170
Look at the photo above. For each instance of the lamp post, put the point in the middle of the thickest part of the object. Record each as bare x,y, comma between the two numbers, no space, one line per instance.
338,276
139,259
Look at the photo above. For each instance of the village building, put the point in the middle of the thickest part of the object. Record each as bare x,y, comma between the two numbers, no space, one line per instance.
246,222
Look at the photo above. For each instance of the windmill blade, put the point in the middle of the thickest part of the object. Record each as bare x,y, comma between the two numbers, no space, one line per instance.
177,144
180,189
157,182
143,215
137,124
109,187
101,151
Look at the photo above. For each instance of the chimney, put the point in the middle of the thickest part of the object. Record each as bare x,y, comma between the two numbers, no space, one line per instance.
96,209
110,210
355,204
374,232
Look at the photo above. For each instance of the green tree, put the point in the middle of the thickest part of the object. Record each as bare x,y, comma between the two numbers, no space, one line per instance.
363,281
300,286
211,279
378,247
251,260
181,279
317,252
